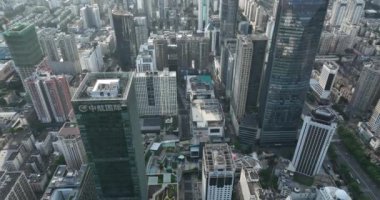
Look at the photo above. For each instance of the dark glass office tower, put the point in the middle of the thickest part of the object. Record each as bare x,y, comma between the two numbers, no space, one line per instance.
297,28
106,111
125,36
228,21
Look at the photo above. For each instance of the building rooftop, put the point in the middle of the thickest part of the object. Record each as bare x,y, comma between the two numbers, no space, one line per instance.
218,157
7,181
323,115
206,111
331,65
202,82
65,178
69,130
104,86
164,73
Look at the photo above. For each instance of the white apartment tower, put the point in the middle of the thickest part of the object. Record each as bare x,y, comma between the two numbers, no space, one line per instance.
218,172
355,11
325,84
314,140
241,73
374,121
339,11
328,76
71,145
91,16
156,93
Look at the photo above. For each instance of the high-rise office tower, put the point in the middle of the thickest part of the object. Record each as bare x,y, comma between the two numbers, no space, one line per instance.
125,38
15,186
71,145
25,49
106,103
355,11
325,84
294,40
50,94
374,121
49,44
156,93
250,56
91,16
141,30
218,169
228,21
367,89
338,13
227,62
161,51
314,140
203,13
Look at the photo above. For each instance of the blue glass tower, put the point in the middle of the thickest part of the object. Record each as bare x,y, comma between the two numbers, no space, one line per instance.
297,28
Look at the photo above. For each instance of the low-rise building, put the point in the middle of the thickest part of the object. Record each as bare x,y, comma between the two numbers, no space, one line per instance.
76,185
207,119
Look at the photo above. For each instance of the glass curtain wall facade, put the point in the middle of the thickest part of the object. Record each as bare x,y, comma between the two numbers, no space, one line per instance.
110,132
295,38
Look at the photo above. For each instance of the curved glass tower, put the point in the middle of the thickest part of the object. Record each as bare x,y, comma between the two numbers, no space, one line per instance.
296,29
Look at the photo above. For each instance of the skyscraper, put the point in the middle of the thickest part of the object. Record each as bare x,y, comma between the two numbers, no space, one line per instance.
141,29
91,16
203,13
72,146
338,13
48,43
314,140
249,64
161,52
106,110
68,47
125,38
156,93
50,94
25,49
367,89
228,21
227,63
218,172
293,46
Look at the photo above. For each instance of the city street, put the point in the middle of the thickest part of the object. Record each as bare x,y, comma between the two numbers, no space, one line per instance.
366,184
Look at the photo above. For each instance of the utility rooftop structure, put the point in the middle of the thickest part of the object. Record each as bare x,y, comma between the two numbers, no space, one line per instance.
108,84
207,118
